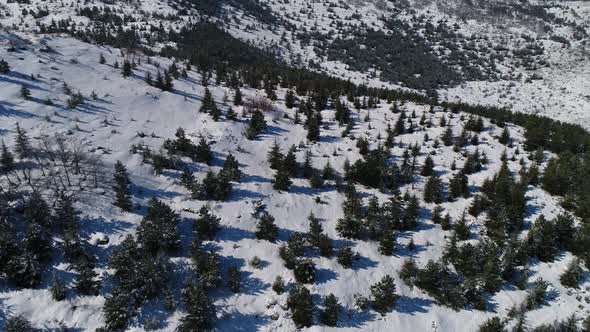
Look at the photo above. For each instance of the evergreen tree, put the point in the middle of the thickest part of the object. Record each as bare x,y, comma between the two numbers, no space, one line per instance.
290,99
447,137
238,97
207,225
208,105
345,256
572,276
58,289
433,190
118,309
233,281
25,92
314,236
313,128
278,285
304,271
127,69
462,229
86,283
18,323
266,229
4,67
203,152
349,227
23,146
66,216
200,311
494,324
231,169
6,160
157,230
387,244
275,156
256,126
505,137
301,305
459,186
187,179
542,240
121,188
384,295
428,167
290,161
282,180
329,316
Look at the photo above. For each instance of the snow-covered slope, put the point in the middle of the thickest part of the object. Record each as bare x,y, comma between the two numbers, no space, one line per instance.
127,111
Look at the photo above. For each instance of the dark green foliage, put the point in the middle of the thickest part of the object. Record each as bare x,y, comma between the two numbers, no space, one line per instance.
118,309
58,289
206,264
345,256
329,316
4,67
542,240
494,324
433,190
203,152
214,187
278,285
22,147
572,276
384,295
301,306
208,105
121,188
505,136
428,167
459,186
349,227
157,230
127,69
25,92
304,271
257,125
282,180
6,160
536,295
18,323
200,311
387,244
86,283
234,279
207,225
266,228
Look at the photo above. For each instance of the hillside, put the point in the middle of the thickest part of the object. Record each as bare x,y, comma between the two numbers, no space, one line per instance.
294,165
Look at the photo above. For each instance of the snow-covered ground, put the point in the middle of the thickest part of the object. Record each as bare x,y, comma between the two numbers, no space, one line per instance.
125,107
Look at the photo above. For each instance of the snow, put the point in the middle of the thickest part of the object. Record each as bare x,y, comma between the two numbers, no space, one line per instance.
130,106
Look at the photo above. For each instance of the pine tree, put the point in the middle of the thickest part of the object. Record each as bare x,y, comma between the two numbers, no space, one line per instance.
266,229
349,227
345,256
278,285
203,152
447,137
313,128
200,311
66,216
238,97
384,295
459,186
301,305
275,156
428,167
207,225
121,188
433,190
314,236
86,283
462,229
4,67
6,160
282,180
118,309
23,146
572,276
58,289
157,230
505,137
231,169
127,69
25,92
304,271
387,244
329,316
290,161
233,281
494,324
101,59
290,99
18,323
208,105
256,126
